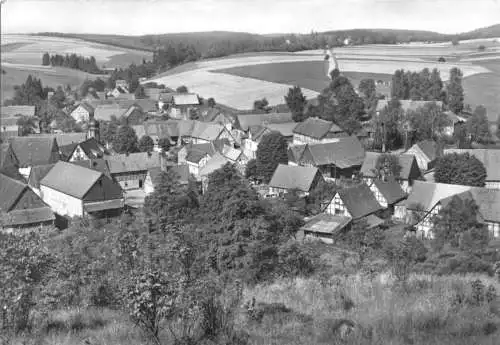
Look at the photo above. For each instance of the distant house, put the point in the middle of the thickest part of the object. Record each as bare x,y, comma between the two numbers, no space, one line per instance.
17,110
388,193
317,131
409,172
491,161
325,227
426,152
71,190
454,121
104,112
206,148
406,105
9,128
20,207
289,177
89,149
32,151
182,105
340,159
355,202
203,132
195,160
251,140
150,183
285,129
235,156
130,170
82,112
427,199
245,121
64,139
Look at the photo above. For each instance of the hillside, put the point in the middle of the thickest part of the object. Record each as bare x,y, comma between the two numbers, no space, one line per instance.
487,32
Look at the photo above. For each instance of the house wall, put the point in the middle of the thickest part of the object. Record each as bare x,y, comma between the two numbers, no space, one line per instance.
494,229
80,114
25,172
337,207
400,213
299,139
60,203
325,238
104,189
492,184
78,155
148,185
130,180
249,148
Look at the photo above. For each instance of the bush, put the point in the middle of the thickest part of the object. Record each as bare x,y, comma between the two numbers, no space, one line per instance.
296,260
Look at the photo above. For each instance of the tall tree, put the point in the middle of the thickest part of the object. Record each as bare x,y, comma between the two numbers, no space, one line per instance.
455,91
436,92
368,92
261,105
146,144
463,169
296,102
46,59
125,140
387,165
388,126
478,126
272,151
139,92
426,122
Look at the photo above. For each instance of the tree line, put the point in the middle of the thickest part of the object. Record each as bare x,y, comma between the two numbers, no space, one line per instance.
73,61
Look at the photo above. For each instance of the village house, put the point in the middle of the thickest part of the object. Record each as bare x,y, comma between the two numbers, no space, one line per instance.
182,172
208,148
32,151
317,131
355,202
325,227
20,207
134,115
335,160
387,193
426,152
289,177
74,191
88,149
251,140
195,160
203,132
217,161
216,115
82,112
427,199
409,172
491,161
235,156
130,170
37,173
454,121
180,105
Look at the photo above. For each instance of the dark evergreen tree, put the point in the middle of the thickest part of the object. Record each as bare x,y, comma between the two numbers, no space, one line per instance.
146,144
455,91
125,140
46,59
463,169
478,126
272,151
296,102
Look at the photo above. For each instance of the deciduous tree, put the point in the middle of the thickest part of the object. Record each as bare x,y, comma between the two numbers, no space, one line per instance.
125,140
271,151
296,102
455,91
462,169
146,144
478,126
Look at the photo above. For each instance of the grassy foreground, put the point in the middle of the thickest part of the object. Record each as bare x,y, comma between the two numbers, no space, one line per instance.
424,310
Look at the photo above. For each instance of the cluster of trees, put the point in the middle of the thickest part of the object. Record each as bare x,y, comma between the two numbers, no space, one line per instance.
173,55
73,61
418,86
463,169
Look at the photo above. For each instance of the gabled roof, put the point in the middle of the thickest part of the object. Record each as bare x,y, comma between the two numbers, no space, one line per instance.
488,201
428,194
13,110
345,153
405,161
217,161
247,120
359,201
37,173
407,104
295,153
390,190
105,112
10,191
231,153
195,156
132,162
90,147
71,179
293,177
29,216
34,150
430,148
147,105
186,99
325,223
63,139
316,128
257,132
286,128
152,93
87,107
489,157
206,131
207,148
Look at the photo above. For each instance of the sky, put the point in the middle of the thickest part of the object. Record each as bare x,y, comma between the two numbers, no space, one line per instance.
139,17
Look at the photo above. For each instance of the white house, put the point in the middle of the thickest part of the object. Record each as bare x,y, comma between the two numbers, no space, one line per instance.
82,112
355,202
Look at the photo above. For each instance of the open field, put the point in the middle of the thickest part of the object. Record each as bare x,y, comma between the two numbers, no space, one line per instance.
238,80
29,50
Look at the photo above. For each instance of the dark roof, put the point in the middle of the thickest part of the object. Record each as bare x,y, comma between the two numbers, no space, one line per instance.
286,128
7,156
316,128
87,107
64,138
71,179
345,153
405,161
67,150
325,223
295,152
430,148
195,156
247,120
10,191
90,147
29,216
293,177
141,161
391,190
489,157
37,173
35,150
488,201
359,201
98,164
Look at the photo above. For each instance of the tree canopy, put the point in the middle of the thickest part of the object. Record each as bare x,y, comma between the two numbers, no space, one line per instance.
146,144
125,140
271,151
478,126
296,102
455,91
463,169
